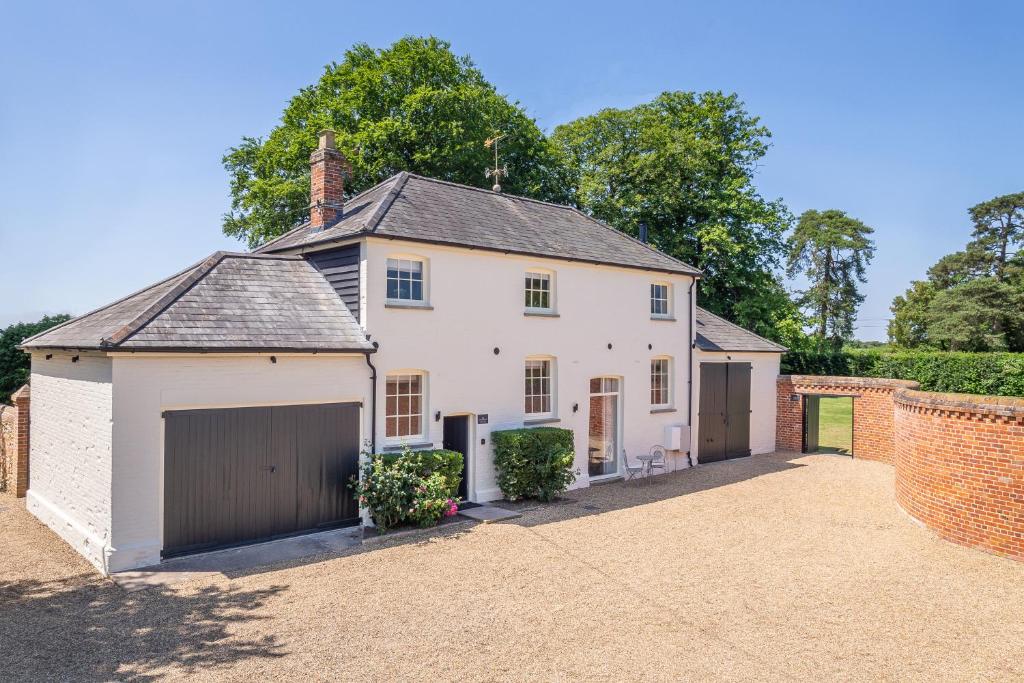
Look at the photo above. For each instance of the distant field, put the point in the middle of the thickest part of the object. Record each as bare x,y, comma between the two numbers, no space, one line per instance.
836,427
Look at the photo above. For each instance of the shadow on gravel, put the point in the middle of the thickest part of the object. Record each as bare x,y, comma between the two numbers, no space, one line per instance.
619,495
84,628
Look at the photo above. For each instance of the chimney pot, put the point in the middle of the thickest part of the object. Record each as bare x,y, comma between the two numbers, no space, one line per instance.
327,139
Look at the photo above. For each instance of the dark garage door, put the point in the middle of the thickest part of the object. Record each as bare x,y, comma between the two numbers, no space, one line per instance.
234,475
724,414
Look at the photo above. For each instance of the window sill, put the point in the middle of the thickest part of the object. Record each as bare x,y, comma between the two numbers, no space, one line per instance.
666,318
540,314
398,304
392,447
662,410
540,421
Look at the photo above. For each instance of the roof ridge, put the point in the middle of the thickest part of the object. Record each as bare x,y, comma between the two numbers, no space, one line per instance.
142,319
385,204
305,224
740,327
491,192
113,303
566,207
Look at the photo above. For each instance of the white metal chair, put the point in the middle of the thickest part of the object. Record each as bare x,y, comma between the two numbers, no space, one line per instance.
631,470
659,461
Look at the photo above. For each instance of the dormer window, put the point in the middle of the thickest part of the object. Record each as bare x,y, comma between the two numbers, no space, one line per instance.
406,281
661,300
539,292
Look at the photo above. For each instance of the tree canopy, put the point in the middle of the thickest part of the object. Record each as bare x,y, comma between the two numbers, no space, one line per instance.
833,251
972,300
15,364
683,164
414,106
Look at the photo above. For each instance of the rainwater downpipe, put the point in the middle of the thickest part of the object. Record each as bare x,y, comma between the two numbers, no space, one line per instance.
373,399
689,370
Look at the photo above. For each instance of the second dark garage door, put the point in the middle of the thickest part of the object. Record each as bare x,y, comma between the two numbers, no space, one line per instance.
724,413
235,475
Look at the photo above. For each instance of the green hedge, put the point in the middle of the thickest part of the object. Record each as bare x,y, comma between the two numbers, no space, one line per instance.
534,463
1000,374
448,463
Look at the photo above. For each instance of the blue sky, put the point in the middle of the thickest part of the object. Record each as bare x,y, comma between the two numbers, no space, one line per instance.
114,118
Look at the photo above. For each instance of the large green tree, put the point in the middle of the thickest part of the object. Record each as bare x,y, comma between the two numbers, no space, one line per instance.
832,250
14,364
414,106
998,227
971,299
684,164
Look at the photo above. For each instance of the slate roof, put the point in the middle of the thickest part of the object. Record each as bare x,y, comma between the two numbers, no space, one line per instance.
228,302
718,334
412,207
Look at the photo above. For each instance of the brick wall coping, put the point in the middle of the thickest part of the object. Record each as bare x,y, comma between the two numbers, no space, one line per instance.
1006,406
833,381
24,392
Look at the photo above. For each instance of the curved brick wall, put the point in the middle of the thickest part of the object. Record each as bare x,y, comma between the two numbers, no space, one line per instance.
872,411
960,467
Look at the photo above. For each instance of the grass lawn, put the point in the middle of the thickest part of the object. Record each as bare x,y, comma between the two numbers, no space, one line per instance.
835,433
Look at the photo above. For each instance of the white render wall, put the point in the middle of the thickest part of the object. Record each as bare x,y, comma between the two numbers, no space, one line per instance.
70,441
477,304
146,384
764,372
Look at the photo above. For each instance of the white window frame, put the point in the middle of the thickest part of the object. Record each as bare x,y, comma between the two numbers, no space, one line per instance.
667,387
542,274
401,260
398,415
552,386
667,299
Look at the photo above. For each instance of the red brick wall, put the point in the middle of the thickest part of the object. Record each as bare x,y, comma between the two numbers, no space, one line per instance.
14,449
873,437
960,467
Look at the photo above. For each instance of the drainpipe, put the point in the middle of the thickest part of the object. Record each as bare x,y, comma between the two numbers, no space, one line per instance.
689,370
373,399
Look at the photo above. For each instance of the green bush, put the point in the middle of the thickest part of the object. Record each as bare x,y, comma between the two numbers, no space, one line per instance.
447,463
411,487
1000,374
534,463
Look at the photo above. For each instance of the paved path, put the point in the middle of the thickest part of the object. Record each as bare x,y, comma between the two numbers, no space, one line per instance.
771,568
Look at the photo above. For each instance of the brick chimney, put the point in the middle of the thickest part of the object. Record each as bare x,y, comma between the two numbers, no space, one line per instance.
327,167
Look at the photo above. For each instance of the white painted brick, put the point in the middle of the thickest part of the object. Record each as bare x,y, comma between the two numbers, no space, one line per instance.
70,441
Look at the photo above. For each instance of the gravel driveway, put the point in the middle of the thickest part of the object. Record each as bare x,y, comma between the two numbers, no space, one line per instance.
772,567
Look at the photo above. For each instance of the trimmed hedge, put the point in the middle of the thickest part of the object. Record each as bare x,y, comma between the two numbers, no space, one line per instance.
999,374
534,463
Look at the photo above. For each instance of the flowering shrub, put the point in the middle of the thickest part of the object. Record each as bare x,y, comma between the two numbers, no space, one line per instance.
400,490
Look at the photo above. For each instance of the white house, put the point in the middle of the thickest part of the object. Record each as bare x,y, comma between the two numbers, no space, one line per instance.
230,402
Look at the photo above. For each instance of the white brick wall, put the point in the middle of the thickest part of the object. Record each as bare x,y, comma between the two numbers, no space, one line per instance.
70,440
764,372
146,384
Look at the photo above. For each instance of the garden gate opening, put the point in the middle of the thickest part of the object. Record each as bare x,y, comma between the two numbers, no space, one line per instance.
828,424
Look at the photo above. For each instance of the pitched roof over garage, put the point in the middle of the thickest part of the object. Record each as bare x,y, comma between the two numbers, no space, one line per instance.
718,334
228,302
411,207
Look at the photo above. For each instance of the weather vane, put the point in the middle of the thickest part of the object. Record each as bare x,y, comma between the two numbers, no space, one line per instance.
498,172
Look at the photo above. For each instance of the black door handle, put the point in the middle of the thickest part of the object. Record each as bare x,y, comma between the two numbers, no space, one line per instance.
270,468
